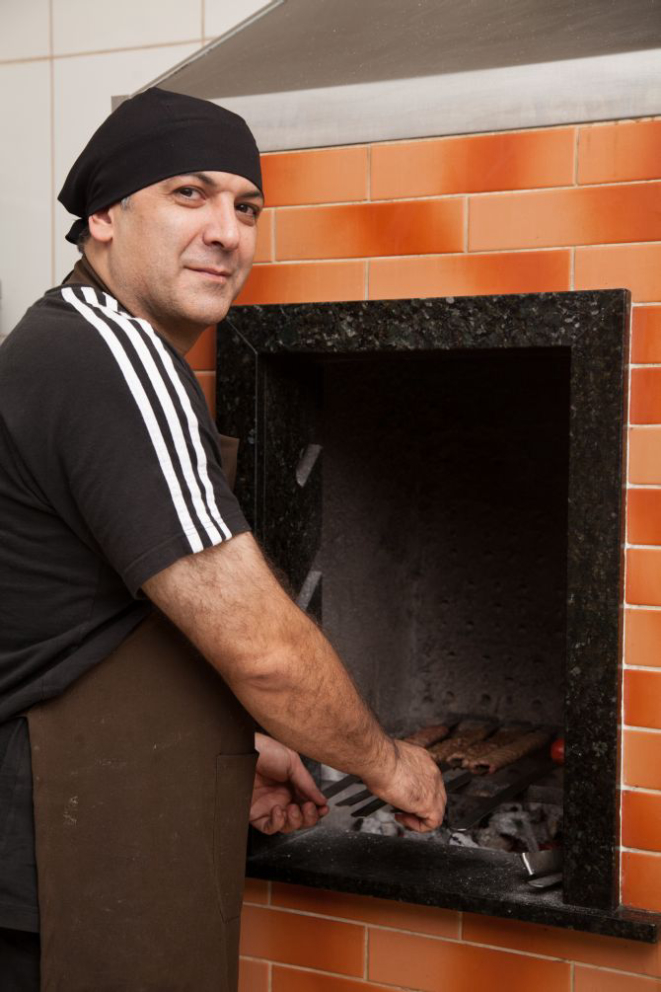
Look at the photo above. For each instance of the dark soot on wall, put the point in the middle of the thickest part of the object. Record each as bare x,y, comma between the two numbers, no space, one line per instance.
444,531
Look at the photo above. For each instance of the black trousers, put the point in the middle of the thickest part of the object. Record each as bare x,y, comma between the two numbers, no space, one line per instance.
19,961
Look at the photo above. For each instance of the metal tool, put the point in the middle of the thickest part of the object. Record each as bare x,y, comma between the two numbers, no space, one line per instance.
547,882
451,785
541,863
477,812
356,797
340,785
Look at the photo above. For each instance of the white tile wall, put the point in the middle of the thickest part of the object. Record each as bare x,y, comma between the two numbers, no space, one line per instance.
25,187
24,29
83,87
222,15
41,133
97,25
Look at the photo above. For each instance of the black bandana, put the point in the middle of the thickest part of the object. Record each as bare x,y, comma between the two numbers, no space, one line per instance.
151,137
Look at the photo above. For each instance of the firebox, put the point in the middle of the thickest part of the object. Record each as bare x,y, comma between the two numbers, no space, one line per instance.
440,482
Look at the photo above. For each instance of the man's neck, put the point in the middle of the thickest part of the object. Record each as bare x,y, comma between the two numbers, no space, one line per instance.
88,274
84,274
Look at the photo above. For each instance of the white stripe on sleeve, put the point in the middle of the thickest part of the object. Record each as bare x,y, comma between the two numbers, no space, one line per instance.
193,426
143,404
169,411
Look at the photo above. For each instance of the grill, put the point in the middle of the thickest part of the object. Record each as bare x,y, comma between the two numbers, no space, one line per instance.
440,482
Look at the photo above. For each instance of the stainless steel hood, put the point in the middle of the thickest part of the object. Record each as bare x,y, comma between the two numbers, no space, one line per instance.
316,72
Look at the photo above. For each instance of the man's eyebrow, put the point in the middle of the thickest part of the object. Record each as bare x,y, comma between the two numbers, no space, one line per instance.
207,180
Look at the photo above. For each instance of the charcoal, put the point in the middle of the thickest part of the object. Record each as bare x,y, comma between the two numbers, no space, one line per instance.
488,837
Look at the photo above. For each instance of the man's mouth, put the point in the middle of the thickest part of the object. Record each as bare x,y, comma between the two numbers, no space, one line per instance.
209,270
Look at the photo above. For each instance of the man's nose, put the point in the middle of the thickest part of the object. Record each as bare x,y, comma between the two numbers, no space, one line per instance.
222,227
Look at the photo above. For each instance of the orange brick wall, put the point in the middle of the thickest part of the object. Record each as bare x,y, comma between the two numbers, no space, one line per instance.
554,209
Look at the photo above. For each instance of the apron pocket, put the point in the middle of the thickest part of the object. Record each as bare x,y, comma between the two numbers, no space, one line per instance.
235,776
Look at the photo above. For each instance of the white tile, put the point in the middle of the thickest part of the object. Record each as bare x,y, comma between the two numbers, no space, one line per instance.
97,25
84,87
222,15
25,188
24,31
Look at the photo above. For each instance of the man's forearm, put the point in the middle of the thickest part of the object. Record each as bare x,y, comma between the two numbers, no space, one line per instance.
277,662
314,706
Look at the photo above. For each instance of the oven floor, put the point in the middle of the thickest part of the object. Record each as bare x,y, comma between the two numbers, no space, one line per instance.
418,871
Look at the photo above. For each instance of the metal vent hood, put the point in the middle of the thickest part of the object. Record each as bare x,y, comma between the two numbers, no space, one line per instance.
308,73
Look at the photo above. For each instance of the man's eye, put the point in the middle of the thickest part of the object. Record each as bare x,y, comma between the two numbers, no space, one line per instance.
248,208
188,192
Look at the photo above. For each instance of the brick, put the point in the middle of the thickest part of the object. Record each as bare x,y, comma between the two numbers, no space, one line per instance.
291,938
644,516
469,275
256,890
643,585
643,638
645,407
477,163
328,175
641,881
253,976
586,216
264,246
595,980
383,912
587,948
633,267
645,456
312,282
440,966
288,980
642,759
646,335
641,820
618,152
202,356
207,381
642,699
408,227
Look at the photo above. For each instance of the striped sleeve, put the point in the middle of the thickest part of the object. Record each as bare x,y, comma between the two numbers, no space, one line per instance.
141,452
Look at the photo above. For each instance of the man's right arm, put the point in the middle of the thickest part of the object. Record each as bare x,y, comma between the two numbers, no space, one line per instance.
229,604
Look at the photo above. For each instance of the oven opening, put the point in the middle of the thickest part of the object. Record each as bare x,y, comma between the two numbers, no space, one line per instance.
443,559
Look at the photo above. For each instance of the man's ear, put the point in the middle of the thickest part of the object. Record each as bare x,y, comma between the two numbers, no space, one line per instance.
101,225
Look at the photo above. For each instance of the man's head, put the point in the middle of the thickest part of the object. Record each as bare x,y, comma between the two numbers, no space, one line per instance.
170,188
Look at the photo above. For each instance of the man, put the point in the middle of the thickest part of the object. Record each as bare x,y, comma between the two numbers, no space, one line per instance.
142,630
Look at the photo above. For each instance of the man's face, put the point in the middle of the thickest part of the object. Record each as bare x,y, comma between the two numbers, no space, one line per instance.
182,249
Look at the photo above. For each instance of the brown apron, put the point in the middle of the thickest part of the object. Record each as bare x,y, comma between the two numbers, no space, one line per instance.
143,773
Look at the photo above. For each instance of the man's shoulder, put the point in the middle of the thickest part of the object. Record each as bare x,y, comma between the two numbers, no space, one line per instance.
79,337
50,316
58,328
53,350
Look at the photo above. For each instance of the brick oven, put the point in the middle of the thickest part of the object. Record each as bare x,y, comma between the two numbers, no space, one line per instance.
441,482
303,938
540,178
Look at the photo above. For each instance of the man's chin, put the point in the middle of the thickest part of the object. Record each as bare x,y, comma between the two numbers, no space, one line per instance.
207,312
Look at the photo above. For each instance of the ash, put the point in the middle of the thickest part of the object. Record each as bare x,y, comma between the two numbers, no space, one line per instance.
516,827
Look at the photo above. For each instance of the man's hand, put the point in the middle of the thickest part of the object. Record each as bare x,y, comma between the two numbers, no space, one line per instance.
415,786
284,797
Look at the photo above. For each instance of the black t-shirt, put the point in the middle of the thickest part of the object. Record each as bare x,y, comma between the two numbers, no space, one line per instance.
109,472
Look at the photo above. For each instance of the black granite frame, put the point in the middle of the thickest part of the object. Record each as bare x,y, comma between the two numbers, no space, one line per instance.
270,411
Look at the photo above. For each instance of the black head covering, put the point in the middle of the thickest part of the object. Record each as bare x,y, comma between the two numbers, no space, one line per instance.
152,136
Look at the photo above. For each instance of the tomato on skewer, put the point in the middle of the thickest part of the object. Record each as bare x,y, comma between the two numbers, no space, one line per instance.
558,751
